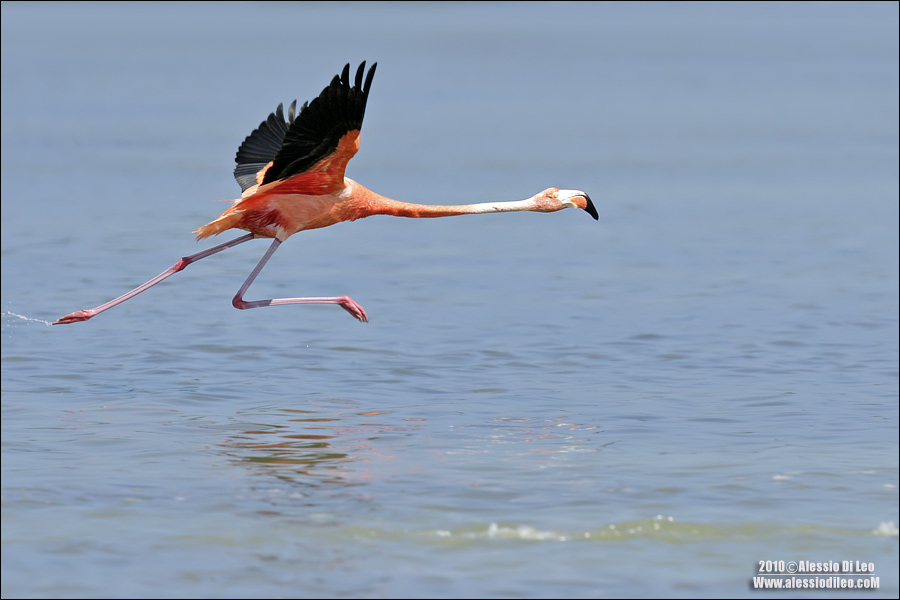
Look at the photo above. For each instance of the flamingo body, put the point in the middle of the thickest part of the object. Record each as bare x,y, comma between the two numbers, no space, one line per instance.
291,174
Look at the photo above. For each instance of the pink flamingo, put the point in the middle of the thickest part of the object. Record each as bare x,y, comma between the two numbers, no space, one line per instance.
291,175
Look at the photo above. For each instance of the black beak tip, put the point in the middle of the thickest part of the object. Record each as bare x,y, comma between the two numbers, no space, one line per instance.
591,209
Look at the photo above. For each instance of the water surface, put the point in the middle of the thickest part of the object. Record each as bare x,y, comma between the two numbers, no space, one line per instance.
542,405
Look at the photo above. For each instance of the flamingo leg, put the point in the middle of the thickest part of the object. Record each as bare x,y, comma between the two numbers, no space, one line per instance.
343,301
84,315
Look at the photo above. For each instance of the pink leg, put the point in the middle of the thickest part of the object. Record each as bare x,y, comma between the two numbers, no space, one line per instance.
84,315
343,301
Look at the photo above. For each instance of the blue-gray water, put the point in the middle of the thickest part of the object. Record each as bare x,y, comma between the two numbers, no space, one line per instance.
542,405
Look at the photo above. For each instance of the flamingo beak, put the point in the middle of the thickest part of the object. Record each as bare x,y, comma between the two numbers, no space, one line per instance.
569,199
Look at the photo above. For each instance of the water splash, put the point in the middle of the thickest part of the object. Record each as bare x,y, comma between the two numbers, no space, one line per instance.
9,315
661,528
887,528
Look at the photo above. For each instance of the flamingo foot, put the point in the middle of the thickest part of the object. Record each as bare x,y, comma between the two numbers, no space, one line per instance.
80,315
353,308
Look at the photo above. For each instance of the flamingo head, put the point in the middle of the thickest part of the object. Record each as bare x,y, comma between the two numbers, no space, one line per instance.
553,199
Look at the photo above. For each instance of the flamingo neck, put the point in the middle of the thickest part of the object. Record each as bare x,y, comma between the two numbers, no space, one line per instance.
425,211
371,203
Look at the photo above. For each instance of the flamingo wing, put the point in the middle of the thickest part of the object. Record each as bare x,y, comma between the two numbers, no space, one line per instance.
261,146
307,153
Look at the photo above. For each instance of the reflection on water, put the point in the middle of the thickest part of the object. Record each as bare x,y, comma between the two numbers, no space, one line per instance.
335,443
543,435
328,445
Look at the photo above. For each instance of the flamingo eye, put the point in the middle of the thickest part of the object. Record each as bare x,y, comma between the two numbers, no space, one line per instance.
556,194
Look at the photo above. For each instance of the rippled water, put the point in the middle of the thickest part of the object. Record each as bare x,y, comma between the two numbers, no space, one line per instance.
541,406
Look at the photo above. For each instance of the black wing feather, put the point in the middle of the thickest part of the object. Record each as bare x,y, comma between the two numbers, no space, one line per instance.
260,147
293,146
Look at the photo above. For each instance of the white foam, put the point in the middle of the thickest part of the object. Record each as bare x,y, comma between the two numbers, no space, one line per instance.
886,528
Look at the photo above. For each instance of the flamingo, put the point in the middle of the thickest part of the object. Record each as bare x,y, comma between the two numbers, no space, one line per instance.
291,174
